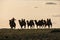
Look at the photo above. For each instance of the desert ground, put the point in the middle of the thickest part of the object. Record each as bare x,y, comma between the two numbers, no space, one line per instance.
30,34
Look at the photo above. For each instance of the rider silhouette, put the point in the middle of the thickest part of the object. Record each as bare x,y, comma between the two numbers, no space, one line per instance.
12,23
13,19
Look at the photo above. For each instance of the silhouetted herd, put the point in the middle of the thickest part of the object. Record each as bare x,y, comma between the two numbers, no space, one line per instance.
31,23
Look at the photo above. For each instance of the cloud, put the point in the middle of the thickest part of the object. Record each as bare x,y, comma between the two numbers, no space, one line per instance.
51,3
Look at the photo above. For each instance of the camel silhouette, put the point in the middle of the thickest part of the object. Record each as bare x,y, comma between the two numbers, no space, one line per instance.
49,23
30,23
12,23
39,23
43,23
22,23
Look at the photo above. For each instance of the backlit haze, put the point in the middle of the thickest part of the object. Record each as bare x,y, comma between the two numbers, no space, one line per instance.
29,9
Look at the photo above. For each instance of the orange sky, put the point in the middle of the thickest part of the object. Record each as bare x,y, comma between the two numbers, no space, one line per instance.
27,9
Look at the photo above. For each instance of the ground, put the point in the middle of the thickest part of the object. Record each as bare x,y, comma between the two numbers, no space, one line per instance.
29,34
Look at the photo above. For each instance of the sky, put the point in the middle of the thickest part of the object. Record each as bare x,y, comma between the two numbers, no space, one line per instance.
29,9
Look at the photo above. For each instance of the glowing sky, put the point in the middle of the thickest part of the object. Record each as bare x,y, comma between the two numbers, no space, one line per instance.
28,9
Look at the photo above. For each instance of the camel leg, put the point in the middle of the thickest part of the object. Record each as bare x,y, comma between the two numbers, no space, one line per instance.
25,26
49,26
11,27
14,27
21,27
